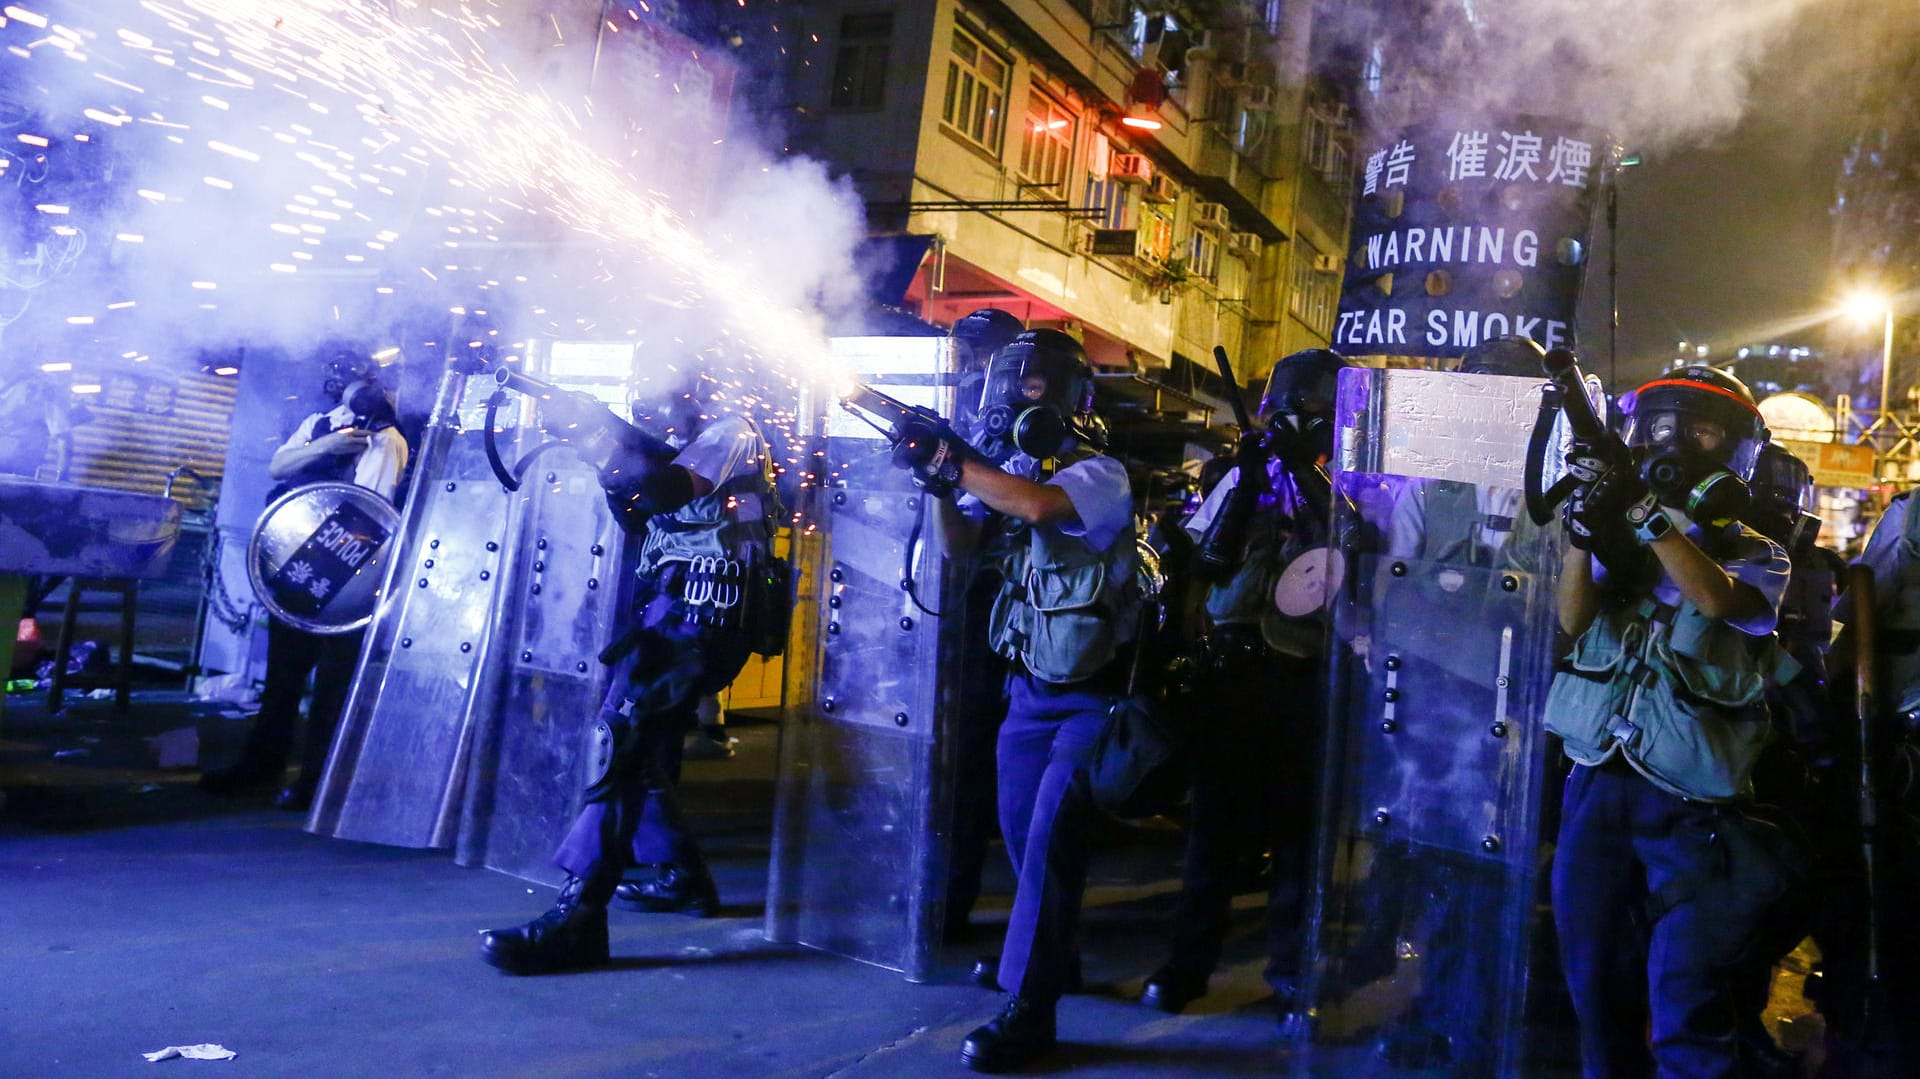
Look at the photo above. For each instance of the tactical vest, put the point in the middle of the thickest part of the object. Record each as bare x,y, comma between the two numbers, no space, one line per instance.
1457,532
1274,539
1064,609
735,520
1899,610
1679,694
333,468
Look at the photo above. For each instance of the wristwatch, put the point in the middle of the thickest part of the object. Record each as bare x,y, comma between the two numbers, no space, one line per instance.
1649,521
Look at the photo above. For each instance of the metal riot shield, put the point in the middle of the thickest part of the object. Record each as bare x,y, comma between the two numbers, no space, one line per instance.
1443,629
478,681
317,559
860,831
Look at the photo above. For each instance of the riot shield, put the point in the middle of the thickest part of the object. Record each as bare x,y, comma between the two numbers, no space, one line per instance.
1425,902
316,556
863,801
479,678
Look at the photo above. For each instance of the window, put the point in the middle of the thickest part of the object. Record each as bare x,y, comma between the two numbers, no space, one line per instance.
1325,147
1156,233
1315,294
976,93
1046,143
860,67
1112,201
1203,255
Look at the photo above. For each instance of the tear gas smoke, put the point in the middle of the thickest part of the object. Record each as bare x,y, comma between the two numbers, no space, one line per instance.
251,171
1657,74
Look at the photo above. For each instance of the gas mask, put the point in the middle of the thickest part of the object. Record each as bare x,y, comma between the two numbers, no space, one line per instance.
1035,430
1682,462
343,370
1697,436
1035,388
1300,437
372,411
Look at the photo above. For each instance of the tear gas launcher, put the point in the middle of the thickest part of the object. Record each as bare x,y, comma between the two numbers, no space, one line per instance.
573,419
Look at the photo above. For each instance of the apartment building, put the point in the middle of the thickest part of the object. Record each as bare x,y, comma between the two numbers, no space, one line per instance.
1154,178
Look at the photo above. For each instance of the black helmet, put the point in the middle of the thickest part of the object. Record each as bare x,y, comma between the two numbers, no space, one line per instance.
343,368
1511,354
1782,506
1302,384
1038,394
1697,435
1699,411
981,334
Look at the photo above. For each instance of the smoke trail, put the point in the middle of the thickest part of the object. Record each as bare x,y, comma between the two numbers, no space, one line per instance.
289,170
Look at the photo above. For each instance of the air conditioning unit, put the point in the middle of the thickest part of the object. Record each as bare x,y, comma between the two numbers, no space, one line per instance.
1130,169
1134,244
1211,216
1256,97
1328,263
1161,189
1247,243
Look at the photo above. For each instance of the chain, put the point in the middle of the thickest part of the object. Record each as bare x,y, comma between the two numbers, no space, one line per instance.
231,613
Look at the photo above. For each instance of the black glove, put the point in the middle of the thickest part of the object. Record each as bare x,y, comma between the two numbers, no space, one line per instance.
1605,512
931,451
1579,520
1251,455
1589,462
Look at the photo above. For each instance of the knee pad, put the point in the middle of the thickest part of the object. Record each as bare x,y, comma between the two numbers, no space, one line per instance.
596,758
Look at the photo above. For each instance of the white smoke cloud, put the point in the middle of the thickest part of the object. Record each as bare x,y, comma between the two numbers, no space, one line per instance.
322,168
1656,74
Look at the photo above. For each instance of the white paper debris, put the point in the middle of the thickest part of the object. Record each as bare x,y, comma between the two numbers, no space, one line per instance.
203,1051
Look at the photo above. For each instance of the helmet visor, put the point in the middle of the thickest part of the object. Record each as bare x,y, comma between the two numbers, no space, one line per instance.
1024,377
1297,390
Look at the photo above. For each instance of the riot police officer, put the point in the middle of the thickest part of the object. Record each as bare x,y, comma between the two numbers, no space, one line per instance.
1254,786
1795,775
707,514
1658,880
1062,618
983,702
355,440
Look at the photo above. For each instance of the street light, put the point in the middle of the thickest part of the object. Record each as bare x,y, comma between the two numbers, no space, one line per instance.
1864,306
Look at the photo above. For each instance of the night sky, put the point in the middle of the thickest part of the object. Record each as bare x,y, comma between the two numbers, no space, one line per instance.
1729,242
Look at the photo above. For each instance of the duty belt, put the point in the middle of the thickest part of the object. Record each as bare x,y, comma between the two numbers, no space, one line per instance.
1235,640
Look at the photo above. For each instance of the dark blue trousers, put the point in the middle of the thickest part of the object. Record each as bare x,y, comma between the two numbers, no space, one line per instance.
1045,807
294,656
632,813
1255,777
1622,838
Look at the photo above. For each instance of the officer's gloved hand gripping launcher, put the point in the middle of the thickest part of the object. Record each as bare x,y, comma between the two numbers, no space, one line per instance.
1566,394
923,442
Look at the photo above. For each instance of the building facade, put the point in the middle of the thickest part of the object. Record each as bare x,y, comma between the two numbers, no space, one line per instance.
1155,179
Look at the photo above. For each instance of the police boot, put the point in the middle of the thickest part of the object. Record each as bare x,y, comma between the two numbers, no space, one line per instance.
572,934
682,888
1020,1034
1171,989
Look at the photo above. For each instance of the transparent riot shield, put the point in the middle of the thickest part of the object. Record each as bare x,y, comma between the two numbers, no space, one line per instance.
1427,894
479,677
863,805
